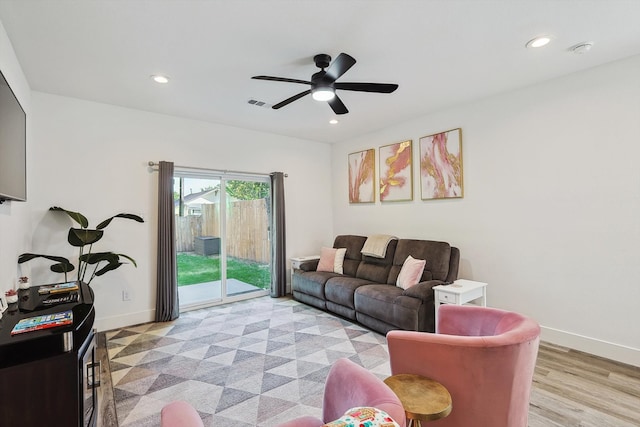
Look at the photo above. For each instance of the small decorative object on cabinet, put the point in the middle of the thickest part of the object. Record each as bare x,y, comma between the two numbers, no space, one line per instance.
11,296
23,282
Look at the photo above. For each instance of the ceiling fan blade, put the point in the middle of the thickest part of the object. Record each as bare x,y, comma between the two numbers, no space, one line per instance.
339,66
281,79
368,87
290,100
337,105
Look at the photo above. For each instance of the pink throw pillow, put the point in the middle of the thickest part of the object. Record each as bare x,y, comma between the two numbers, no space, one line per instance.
327,259
411,272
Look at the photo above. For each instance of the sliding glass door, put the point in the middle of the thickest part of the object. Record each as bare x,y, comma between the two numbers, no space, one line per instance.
222,237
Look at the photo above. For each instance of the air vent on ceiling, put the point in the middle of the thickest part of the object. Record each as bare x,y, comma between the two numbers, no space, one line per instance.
259,103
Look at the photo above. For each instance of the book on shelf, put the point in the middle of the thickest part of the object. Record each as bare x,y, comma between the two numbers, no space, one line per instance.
46,321
59,288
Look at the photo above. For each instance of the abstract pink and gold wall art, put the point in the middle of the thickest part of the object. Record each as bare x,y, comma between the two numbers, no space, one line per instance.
441,165
362,176
396,172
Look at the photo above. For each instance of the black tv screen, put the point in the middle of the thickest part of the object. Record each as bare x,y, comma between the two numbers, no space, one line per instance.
13,145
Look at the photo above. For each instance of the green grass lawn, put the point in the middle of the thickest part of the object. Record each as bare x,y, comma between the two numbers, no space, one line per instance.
194,269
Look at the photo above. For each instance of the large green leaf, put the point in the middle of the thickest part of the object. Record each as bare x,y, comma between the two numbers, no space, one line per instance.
106,222
62,264
133,261
79,237
97,257
62,267
28,257
108,268
76,216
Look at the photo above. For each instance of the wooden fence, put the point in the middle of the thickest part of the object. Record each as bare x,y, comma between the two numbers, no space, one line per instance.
247,229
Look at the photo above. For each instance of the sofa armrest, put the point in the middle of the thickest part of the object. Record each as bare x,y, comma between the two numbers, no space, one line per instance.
309,265
423,290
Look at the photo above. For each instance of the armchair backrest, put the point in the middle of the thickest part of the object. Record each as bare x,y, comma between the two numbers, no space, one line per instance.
485,357
349,385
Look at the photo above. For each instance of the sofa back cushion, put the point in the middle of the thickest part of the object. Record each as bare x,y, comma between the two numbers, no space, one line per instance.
352,257
377,269
436,255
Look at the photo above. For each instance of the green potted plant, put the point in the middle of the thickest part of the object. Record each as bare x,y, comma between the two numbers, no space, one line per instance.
90,264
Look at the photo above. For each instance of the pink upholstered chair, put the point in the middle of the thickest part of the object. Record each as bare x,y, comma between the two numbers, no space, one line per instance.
485,357
180,414
348,385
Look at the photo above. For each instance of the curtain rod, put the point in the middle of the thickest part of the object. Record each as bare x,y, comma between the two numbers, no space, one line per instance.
152,164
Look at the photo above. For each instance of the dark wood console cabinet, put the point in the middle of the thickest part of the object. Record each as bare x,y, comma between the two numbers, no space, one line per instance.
48,377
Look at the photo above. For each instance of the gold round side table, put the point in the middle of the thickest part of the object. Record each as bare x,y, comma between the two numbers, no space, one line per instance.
423,399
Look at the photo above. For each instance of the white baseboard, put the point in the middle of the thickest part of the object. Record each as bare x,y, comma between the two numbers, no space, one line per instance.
617,352
117,322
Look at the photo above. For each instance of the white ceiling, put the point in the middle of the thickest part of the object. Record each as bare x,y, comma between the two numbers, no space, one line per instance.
440,52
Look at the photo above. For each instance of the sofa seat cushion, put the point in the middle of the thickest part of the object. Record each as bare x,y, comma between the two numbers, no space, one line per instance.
340,290
312,282
388,304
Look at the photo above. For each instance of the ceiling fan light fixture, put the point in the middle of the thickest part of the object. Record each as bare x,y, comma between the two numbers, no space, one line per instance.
323,94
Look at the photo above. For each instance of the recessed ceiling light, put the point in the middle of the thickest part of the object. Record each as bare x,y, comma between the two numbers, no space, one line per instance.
333,121
538,41
160,79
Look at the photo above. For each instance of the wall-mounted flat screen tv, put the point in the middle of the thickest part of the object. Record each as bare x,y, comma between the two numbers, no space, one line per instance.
13,145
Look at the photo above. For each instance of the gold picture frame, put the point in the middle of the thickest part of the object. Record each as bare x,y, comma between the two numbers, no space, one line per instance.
441,165
362,178
396,172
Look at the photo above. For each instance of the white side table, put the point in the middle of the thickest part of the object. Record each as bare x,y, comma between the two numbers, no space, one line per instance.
296,261
459,292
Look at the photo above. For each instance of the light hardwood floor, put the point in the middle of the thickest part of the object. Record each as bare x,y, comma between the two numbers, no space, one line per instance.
570,388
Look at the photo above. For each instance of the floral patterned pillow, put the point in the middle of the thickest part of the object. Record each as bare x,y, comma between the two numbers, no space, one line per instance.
363,417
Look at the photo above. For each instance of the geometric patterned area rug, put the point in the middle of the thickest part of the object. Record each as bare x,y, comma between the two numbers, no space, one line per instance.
257,362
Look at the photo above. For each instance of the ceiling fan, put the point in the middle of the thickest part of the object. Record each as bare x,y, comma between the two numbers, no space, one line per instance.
323,83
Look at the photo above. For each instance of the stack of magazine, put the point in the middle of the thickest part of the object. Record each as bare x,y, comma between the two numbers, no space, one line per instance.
43,322
59,288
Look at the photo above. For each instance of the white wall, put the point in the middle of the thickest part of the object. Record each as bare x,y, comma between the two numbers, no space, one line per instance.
551,212
92,158
15,230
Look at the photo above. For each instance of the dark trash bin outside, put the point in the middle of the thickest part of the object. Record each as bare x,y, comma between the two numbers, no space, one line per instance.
207,245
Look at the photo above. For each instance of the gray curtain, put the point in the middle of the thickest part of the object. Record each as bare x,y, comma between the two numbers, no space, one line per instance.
167,305
278,249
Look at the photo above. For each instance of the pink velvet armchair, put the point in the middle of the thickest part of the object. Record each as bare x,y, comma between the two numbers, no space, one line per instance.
348,385
485,357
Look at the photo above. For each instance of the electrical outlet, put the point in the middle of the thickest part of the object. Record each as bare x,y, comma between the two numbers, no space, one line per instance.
126,296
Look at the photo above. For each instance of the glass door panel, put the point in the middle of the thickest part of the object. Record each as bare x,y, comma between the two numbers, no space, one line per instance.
198,239
247,243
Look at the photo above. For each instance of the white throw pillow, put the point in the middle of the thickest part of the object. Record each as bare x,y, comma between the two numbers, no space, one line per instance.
411,272
339,260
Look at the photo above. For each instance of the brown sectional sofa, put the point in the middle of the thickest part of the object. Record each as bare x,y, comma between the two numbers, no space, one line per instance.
367,291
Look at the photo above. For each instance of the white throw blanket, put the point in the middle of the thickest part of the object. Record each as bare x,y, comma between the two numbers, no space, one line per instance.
376,245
